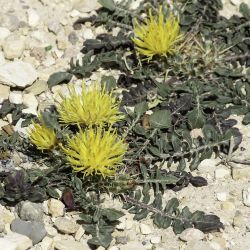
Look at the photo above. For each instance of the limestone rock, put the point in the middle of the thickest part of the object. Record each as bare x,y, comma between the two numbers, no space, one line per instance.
17,74
4,92
16,97
14,241
66,226
145,229
30,211
34,230
192,234
56,208
13,47
246,196
70,244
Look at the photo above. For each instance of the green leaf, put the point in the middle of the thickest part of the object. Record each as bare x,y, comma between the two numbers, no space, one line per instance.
141,108
171,206
195,162
196,118
112,214
109,82
108,4
245,10
246,119
53,193
101,240
178,226
160,119
176,142
58,78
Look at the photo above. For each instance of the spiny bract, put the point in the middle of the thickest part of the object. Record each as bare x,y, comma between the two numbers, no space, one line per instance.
43,137
95,151
93,107
157,36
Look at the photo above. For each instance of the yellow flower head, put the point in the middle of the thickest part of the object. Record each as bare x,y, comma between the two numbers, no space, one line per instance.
42,136
91,107
95,151
157,36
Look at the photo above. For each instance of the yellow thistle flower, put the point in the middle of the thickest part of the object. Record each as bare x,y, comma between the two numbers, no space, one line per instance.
95,151
42,136
157,36
91,107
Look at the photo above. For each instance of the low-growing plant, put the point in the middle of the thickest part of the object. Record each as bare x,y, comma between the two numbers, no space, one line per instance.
93,143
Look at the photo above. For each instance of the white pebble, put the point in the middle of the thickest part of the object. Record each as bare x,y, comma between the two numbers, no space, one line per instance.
246,196
191,234
16,97
145,229
88,34
155,239
221,196
221,173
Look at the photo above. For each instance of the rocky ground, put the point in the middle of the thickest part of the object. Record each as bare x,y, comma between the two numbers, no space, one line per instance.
36,40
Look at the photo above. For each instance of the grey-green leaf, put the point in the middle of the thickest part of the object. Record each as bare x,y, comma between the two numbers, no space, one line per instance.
160,119
141,108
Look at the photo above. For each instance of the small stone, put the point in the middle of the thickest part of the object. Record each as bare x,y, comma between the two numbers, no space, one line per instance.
113,248
4,92
132,245
61,43
75,13
3,123
246,196
2,225
66,226
33,17
87,5
197,132
16,97
37,88
17,74
122,224
236,2
70,244
14,241
191,234
49,61
6,216
30,101
199,245
227,206
241,173
20,129
80,232
88,34
145,229
129,224
34,230
238,220
4,32
51,231
221,173
221,196
155,239
56,208
54,26
13,22
2,59
13,47
73,38
46,244
38,53
30,111
121,240
30,211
